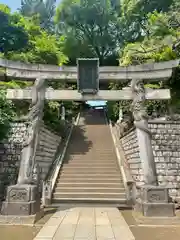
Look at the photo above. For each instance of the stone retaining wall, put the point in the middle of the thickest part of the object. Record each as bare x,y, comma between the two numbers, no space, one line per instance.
166,149
10,152
131,150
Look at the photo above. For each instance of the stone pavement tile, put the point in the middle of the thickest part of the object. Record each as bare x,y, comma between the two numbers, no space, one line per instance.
101,217
54,221
87,217
89,211
42,238
120,227
85,231
122,232
47,232
60,213
71,218
106,238
65,231
117,220
104,232
86,221
90,238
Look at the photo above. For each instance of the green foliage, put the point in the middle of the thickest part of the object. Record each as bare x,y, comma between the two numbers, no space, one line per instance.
158,40
12,37
135,14
42,46
52,114
91,24
44,9
7,113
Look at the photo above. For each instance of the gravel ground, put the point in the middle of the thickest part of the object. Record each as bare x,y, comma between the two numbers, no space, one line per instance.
151,232
24,232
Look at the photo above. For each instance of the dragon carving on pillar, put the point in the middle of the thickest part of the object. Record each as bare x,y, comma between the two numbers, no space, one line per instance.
28,166
138,106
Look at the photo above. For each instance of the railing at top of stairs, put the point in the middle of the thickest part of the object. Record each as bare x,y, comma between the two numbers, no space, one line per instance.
128,181
49,183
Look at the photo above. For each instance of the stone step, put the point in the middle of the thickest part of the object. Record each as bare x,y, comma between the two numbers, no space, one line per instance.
90,165
69,203
90,175
84,188
88,195
82,164
88,180
92,154
86,184
90,170
95,158
92,160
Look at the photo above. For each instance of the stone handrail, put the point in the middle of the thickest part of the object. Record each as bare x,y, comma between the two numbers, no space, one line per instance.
49,184
128,181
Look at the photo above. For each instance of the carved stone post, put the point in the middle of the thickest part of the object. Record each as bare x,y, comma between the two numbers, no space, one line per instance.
153,200
120,114
23,198
143,132
63,113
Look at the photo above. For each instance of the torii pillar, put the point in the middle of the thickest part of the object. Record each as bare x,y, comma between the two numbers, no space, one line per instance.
153,200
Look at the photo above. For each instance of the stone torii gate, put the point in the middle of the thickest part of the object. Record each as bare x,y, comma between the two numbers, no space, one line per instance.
89,74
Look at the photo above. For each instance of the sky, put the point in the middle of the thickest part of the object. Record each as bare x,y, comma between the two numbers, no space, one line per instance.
14,4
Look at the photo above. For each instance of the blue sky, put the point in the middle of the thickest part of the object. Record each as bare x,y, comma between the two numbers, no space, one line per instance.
14,4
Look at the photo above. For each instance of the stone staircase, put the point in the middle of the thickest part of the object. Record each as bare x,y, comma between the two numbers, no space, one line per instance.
90,171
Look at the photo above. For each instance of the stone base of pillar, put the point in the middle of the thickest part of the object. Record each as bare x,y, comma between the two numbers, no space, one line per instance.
21,200
154,201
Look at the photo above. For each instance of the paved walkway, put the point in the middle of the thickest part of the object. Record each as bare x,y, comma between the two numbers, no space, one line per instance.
86,224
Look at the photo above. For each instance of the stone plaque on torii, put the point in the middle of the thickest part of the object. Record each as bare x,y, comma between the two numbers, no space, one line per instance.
88,75
90,91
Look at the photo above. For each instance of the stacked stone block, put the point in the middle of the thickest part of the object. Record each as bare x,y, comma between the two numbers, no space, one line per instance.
10,151
47,147
131,149
166,150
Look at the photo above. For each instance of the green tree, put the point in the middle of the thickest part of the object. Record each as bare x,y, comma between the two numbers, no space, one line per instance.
135,15
7,113
91,28
44,9
12,37
42,47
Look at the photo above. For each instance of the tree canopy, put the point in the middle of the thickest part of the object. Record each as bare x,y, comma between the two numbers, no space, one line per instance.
92,25
12,36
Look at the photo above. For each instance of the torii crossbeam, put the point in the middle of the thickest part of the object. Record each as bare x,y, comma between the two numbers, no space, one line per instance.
146,72
73,95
